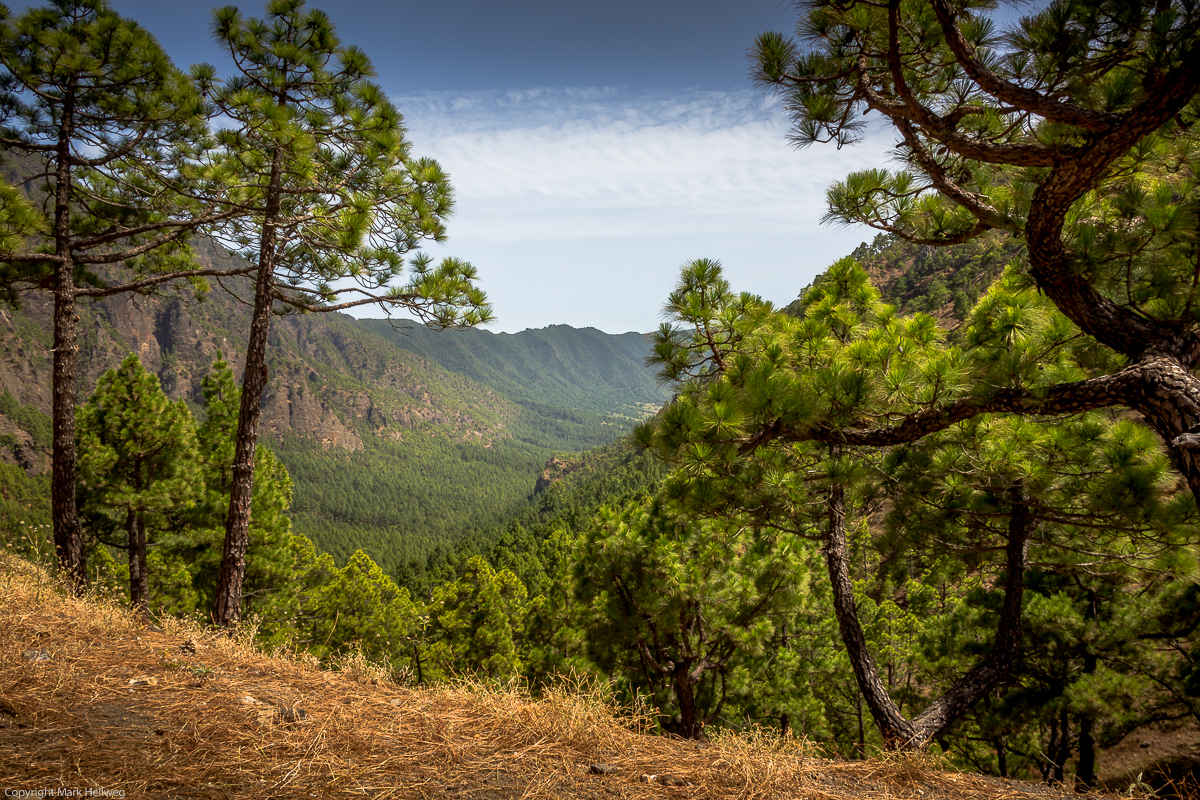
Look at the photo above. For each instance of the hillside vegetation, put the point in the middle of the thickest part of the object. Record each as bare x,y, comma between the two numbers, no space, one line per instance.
445,432
944,282
528,597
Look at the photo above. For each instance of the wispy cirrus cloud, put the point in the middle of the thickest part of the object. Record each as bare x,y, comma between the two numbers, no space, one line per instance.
579,205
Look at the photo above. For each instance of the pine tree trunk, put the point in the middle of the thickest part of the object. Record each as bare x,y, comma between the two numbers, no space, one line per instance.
898,731
143,573
227,609
995,666
685,694
1085,768
68,535
1063,751
1085,771
131,553
139,584
1169,402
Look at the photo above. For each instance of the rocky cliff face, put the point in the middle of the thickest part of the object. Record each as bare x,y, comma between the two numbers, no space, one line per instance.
556,469
330,382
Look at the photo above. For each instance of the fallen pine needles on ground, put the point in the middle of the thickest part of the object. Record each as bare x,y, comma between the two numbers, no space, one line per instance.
91,698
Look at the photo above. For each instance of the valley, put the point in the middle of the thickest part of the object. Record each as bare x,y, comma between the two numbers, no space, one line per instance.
399,439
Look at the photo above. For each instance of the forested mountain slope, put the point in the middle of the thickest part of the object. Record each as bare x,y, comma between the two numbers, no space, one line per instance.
561,366
395,440
942,281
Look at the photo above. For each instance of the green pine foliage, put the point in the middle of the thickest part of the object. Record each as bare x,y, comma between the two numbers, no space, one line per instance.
917,278
137,448
351,609
933,514
137,464
675,605
147,468
555,642
475,623
190,558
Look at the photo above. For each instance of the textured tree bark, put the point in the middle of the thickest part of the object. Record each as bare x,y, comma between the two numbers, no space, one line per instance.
139,580
1085,771
1124,387
785,719
227,608
1062,751
898,731
685,694
131,552
68,534
1169,401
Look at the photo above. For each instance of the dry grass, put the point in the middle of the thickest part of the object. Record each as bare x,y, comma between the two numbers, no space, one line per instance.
182,712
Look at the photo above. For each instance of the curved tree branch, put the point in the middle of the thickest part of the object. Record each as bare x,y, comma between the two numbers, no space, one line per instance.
1120,388
1013,94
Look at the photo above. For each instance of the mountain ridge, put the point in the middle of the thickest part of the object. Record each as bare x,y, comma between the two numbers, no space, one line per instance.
486,408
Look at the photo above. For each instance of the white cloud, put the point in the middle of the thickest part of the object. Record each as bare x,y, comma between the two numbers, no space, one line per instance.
579,205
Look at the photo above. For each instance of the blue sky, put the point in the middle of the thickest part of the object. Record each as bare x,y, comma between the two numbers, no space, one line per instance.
593,147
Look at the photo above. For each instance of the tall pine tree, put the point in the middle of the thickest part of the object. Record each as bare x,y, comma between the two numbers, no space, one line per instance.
316,162
111,129
769,425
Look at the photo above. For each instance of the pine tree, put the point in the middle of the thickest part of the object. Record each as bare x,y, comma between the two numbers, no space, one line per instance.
800,679
553,642
1112,548
137,462
316,161
111,128
475,623
771,409
190,550
356,607
676,605
1073,132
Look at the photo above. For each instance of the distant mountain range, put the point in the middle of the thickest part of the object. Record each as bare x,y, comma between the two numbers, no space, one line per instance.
437,432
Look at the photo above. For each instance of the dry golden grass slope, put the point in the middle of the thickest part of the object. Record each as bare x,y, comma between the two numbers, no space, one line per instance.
91,699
